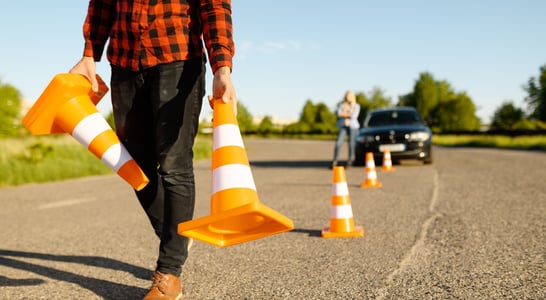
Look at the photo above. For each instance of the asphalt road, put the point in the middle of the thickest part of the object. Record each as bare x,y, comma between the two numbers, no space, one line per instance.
470,226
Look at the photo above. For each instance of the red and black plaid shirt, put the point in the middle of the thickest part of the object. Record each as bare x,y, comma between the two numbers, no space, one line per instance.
144,33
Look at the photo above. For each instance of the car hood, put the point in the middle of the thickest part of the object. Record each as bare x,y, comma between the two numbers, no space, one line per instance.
396,128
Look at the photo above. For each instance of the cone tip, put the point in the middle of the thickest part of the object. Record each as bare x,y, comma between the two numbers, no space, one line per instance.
339,174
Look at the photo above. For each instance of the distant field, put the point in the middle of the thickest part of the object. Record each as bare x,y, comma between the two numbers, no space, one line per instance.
57,157
535,142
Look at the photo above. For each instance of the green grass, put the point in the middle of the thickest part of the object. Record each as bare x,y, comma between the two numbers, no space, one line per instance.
203,147
57,157
535,142
48,158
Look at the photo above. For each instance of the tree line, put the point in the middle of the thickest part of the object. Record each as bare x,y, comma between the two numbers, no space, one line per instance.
441,106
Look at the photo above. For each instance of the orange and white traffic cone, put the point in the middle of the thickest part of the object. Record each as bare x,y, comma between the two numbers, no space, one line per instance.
236,214
386,166
341,216
67,105
371,175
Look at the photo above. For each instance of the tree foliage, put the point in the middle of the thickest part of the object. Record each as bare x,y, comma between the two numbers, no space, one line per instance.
507,116
266,126
536,98
425,94
245,119
455,114
315,119
308,112
441,106
376,98
325,120
10,110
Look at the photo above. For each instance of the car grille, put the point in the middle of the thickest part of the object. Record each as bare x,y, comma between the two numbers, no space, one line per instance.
386,138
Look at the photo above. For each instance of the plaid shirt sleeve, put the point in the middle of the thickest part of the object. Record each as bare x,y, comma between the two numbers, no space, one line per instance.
143,34
97,25
218,32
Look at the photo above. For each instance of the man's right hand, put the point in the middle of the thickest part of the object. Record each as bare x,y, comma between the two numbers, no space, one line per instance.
86,66
222,88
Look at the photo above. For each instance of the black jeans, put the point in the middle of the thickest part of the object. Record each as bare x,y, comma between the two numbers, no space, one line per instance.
156,111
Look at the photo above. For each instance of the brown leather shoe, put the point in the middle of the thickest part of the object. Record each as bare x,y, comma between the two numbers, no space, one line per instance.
164,287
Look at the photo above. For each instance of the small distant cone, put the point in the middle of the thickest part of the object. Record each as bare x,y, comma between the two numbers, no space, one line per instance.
67,105
371,175
341,215
386,166
237,215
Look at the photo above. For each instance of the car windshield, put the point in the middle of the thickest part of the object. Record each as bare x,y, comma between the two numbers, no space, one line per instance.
386,118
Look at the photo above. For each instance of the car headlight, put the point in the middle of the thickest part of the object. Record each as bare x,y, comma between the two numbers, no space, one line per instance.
419,136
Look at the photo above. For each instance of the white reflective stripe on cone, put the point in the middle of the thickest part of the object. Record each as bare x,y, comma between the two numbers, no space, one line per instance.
89,128
223,177
343,211
340,189
115,156
370,164
372,175
226,135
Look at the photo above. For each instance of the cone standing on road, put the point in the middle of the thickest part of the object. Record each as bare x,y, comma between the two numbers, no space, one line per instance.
371,175
341,215
68,105
386,166
236,216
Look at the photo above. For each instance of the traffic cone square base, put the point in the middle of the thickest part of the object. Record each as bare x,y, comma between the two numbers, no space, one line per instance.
371,185
358,231
238,225
40,119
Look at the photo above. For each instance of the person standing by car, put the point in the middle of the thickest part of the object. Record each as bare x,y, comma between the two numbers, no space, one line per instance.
158,68
347,123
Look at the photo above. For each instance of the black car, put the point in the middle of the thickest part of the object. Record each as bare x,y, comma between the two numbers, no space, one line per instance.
399,129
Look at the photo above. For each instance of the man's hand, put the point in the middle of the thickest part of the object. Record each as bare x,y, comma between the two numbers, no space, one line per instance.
222,88
86,66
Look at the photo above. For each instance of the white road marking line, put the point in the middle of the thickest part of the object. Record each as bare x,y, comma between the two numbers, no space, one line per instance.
66,203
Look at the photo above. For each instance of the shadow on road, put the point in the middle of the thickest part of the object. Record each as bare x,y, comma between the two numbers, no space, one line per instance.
103,288
310,232
6,281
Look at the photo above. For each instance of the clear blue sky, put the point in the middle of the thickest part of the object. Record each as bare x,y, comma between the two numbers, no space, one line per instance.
291,51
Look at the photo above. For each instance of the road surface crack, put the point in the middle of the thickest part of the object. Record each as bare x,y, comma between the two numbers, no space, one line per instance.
419,243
